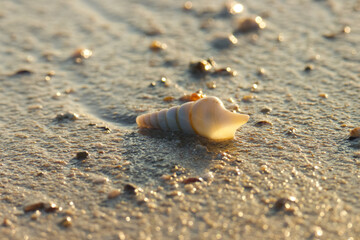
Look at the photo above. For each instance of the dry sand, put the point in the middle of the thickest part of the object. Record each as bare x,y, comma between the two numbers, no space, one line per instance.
289,173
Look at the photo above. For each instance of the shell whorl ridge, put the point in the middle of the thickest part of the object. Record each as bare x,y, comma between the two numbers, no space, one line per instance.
206,117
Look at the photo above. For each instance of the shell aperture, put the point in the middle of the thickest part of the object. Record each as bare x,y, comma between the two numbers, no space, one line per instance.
206,117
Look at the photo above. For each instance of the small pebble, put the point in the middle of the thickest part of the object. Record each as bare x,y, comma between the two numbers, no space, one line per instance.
157,46
192,180
35,107
263,123
254,87
209,176
308,68
318,232
261,71
333,35
265,110
264,168
69,116
168,99
291,131
203,67
34,207
355,133
234,108
211,84
81,54
82,155
192,97
227,71
323,95
187,6
280,37
51,207
7,223
284,203
113,194
248,98
35,215
233,7
130,189
251,24
22,72
66,222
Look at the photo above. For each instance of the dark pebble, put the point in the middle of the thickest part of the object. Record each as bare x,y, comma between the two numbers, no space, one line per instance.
22,72
50,207
308,68
284,203
263,123
202,67
265,110
34,207
130,189
82,155
192,180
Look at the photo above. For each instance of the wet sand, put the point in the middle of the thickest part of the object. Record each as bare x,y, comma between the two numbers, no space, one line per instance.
290,173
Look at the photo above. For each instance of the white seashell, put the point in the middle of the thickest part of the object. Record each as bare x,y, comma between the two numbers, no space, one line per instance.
206,117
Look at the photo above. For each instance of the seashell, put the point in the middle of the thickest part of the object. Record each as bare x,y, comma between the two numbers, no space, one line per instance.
206,117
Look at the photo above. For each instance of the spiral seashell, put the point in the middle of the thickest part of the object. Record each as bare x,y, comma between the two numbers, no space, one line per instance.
206,117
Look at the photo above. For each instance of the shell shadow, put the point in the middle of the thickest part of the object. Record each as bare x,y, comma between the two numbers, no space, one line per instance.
154,153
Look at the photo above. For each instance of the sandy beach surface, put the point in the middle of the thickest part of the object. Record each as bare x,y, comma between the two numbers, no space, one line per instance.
75,74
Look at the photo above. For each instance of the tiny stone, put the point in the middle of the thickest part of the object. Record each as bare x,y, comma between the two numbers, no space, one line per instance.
248,98
192,180
168,99
291,131
157,46
51,207
113,194
69,116
234,108
318,232
35,215
80,54
355,133
261,71
251,24
263,123
265,110
284,203
280,38
187,6
308,68
34,207
211,85
82,155
264,169
66,222
227,71
7,223
233,7
346,29
130,189
323,95
203,66
22,72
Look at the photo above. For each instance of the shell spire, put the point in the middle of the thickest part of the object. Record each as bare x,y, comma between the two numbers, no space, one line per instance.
206,117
